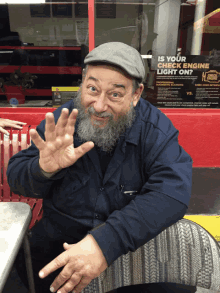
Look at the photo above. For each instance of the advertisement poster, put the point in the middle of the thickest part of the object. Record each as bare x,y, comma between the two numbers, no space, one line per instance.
187,81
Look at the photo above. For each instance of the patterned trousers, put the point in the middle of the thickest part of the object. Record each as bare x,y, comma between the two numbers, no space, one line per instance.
184,253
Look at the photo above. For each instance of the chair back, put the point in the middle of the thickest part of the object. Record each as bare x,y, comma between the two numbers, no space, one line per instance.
18,140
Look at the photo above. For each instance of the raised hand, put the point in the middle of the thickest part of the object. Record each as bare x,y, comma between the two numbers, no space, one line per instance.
57,151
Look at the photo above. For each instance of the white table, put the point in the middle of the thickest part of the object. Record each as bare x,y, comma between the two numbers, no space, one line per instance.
15,218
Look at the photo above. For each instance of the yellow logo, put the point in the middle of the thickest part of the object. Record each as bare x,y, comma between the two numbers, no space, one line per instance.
211,76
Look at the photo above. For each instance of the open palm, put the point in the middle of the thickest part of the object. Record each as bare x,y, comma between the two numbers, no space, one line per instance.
57,151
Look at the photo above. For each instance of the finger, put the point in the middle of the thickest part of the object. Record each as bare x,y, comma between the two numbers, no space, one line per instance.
16,122
66,125
70,128
37,140
60,261
67,278
23,123
70,284
62,122
50,135
15,126
4,131
67,246
82,284
11,124
84,148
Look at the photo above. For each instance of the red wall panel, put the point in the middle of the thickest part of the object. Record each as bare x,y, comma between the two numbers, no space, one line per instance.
199,129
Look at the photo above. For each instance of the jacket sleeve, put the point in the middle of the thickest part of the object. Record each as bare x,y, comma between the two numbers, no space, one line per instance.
24,175
154,209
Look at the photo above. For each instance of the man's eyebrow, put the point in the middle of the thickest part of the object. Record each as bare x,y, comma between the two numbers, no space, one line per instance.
115,85
119,85
93,78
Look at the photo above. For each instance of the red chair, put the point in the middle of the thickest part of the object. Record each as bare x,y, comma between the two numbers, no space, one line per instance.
9,146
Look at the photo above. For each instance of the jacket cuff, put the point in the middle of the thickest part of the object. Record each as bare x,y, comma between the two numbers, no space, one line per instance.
108,241
38,175
48,175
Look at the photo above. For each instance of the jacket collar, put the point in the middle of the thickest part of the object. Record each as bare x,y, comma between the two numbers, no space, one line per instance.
132,134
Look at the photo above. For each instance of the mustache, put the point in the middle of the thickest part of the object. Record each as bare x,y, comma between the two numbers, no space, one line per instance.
92,111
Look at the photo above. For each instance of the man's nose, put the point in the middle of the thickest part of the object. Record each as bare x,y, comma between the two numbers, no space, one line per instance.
100,104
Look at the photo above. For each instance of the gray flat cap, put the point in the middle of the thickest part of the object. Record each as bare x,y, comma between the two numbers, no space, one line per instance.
119,54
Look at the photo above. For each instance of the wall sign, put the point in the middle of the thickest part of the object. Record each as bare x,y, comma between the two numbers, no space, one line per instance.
187,81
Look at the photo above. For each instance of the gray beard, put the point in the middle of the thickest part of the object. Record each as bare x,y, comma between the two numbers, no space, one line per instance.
105,137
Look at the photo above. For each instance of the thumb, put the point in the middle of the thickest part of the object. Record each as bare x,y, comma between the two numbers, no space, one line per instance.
67,246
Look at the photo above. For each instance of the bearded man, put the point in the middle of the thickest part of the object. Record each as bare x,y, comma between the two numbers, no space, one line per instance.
112,176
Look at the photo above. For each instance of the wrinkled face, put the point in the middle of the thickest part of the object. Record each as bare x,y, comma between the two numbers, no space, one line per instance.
106,105
109,92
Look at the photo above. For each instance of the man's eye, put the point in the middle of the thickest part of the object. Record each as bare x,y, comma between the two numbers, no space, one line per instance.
92,88
115,95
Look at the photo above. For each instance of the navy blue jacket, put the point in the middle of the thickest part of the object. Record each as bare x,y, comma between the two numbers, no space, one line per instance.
145,189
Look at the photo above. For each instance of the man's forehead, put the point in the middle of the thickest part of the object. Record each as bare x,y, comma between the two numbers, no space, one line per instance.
118,80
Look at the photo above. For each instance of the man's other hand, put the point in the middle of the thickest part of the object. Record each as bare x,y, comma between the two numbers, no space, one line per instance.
82,263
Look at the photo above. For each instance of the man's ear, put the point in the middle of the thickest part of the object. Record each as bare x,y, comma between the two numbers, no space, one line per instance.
137,94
